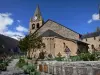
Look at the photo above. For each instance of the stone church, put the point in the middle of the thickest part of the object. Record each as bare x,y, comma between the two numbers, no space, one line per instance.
57,38
93,39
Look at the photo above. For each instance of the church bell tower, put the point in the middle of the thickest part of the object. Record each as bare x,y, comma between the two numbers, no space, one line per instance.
36,21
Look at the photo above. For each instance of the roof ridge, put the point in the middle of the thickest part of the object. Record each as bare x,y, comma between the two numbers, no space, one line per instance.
65,26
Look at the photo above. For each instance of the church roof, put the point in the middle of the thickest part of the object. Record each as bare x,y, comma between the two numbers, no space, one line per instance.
38,14
59,24
50,33
58,28
37,11
89,35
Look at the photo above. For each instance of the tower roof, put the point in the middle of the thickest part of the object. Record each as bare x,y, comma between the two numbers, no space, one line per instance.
37,14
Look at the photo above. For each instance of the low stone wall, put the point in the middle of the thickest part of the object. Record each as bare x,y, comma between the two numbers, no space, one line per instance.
70,68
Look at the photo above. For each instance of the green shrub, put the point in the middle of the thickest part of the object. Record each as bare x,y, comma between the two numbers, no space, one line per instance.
89,56
30,69
21,62
75,58
59,58
3,67
85,57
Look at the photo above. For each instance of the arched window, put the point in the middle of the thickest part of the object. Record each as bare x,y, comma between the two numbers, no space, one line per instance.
92,46
38,26
64,45
33,26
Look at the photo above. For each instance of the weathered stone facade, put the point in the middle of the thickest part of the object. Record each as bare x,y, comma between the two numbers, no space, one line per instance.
56,37
55,45
93,39
70,68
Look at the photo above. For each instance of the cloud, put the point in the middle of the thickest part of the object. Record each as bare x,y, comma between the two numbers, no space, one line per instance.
5,20
18,21
15,35
90,21
95,17
21,29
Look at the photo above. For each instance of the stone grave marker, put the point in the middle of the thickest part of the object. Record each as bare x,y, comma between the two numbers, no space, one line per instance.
82,71
58,70
68,70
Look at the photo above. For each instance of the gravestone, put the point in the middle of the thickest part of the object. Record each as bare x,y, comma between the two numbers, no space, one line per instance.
40,67
82,71
58,70
50,69
68,70
96,71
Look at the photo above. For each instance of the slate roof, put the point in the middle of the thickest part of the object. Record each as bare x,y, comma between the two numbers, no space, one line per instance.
89,35
50,33
57,23
38,14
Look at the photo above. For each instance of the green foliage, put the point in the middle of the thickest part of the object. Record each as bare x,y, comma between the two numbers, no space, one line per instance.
30,69
24,44
88,56
21,63
36,41
75,58
85,57
32,41
3,66
59,58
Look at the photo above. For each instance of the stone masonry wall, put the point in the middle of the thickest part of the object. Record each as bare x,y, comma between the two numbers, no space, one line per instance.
71,68
92,41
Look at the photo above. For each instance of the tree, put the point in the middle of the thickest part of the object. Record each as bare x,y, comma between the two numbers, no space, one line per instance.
32,41
24,44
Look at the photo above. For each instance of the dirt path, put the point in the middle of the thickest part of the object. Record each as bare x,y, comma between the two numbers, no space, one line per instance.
12,69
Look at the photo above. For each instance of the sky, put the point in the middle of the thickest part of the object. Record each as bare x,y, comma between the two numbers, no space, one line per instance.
79,15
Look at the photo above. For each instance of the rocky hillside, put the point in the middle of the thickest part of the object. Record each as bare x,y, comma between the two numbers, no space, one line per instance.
8,44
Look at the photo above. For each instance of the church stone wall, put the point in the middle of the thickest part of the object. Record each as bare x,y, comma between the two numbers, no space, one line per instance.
60,45
93,41
49,45
55,45
61,30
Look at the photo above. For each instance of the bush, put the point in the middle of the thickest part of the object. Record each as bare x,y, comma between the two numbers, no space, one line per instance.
85,57
3,67
30,69
21,62
59,58
75,58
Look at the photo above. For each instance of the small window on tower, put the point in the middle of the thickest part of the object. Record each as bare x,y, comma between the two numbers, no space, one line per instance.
33,26
38,26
